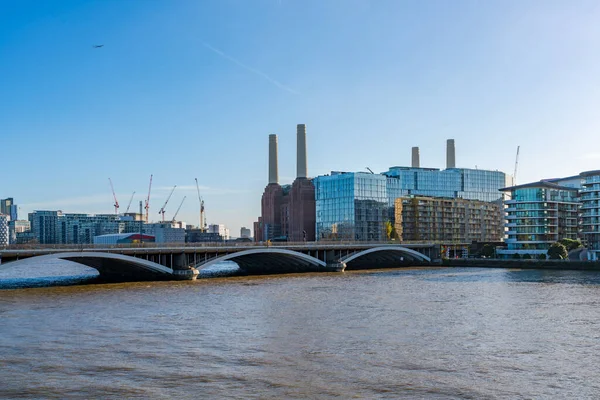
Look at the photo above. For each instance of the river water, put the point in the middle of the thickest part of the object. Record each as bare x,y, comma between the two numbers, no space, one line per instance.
432,333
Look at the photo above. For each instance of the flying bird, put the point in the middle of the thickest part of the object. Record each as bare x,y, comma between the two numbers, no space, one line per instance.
97,46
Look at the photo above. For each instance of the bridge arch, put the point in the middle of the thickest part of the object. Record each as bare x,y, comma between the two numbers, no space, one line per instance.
269,260
114,266
383,257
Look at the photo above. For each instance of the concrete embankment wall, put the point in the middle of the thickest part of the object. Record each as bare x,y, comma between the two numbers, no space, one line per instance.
523,264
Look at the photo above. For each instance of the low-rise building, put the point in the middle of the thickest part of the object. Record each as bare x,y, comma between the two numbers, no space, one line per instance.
123,238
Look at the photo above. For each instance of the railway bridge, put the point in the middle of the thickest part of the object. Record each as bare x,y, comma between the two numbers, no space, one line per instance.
135,263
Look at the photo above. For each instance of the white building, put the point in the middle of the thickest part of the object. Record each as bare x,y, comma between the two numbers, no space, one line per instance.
164,232
4,230
220,229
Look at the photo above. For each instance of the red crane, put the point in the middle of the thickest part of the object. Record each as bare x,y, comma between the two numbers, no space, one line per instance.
116,205
147,206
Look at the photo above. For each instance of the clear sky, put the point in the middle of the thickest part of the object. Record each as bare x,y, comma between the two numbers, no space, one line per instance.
191,89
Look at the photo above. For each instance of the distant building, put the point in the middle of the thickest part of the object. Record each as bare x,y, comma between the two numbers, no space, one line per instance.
17,227
539,214
123,238
447,220
4,232
164,232
45,226
287,212
9,208
245,233
590,212
219,229
200,236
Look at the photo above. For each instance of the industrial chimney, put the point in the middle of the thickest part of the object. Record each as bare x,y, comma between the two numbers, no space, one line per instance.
301,167
415,158
273,173
450,154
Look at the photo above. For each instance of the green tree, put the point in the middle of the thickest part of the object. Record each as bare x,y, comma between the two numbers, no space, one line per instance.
516,256
541,256
389,229
557,251
488,251
527,256
570,244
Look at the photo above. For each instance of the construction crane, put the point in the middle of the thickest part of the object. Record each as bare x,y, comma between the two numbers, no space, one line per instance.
116,205
147,206
516,165
201,226
162,210
178,208
129,204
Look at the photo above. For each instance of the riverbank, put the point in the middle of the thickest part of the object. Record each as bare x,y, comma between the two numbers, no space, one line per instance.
523,264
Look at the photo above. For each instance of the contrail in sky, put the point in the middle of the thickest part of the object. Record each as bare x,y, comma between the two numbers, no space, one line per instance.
257,72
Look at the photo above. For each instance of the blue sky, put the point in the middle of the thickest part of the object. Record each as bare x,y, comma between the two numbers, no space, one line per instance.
191,89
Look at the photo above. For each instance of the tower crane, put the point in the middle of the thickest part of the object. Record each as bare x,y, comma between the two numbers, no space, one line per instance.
116,205
129,204
201,207
162,210
178,208
516,165
147,206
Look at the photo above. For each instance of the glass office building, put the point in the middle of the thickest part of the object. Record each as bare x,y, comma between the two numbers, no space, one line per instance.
464,183
357,206
351,206
590,212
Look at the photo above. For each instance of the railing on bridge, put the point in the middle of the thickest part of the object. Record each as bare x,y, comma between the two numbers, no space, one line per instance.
219,244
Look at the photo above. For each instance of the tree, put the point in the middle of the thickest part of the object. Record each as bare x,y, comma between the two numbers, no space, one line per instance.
488,251
390,231
541,256
557,251
570,244
516,256
527,256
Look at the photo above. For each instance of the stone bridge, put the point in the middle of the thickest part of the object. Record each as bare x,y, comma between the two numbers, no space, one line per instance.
165,263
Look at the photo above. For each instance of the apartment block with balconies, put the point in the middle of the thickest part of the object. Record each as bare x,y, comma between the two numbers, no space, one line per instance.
590,212
539,214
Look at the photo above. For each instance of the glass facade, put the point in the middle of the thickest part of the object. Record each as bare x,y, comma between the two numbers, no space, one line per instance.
540,214
471,184
357,206
351,206
590,212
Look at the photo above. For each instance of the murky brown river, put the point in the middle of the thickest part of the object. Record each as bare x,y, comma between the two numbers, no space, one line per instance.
406,333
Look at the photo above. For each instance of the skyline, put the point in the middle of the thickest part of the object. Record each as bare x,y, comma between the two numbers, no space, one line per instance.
185,90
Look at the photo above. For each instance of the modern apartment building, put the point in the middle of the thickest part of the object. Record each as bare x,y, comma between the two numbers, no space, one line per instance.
539,214
447,220
4,232
590,212
358,206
